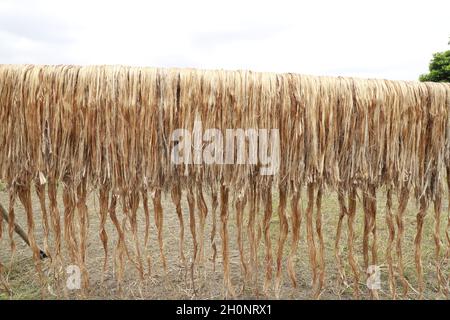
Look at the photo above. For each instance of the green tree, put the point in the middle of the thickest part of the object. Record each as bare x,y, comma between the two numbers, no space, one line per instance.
439,68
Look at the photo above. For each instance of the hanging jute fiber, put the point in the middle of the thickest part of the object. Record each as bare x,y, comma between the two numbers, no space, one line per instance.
108,130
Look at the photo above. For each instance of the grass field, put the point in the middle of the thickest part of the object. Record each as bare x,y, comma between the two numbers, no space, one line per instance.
24,282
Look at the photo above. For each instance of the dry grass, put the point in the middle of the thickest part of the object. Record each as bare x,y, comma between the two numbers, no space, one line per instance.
25,284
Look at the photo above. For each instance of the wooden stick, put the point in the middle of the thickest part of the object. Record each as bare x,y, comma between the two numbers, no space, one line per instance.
21,232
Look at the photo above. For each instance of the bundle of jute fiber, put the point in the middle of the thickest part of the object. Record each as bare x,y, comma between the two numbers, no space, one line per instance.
110,130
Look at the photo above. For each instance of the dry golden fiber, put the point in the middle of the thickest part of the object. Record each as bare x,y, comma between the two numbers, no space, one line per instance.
296,220
109,129
391,228
343,211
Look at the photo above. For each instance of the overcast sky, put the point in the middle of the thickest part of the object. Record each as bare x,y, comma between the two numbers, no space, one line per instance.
377,39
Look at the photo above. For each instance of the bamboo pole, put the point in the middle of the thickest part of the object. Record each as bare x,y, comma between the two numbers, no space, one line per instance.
21,232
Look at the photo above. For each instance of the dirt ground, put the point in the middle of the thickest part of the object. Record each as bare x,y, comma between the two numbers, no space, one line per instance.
24,282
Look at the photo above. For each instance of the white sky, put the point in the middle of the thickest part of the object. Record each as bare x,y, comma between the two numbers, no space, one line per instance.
382,39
